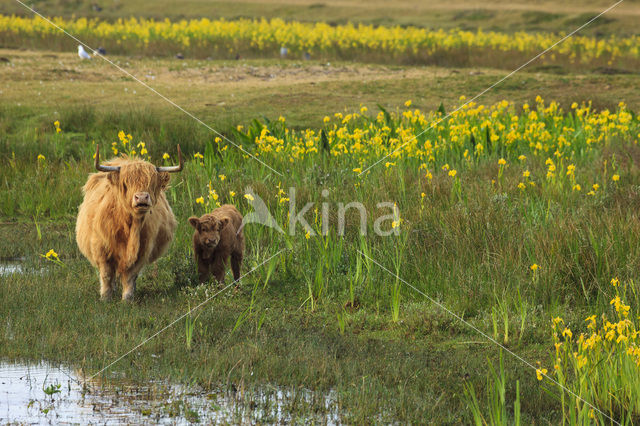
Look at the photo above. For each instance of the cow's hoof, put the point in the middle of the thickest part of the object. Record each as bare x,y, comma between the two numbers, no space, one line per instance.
105,297
127,297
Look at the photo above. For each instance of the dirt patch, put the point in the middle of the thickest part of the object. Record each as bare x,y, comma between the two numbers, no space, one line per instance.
33,65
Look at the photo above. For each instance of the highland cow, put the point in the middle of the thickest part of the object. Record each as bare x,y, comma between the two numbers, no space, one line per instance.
125,221
218,236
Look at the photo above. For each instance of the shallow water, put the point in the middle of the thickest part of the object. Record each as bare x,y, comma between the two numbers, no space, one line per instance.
44,393
11,266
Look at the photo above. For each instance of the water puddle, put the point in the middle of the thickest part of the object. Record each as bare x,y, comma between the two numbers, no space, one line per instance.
10,266
44,393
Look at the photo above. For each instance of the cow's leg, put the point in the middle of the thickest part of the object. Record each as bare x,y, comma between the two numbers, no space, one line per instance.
236,261
129,282
163,239
217,268
107,280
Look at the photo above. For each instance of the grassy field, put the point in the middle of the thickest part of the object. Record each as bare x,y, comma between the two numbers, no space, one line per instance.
321,316
226,93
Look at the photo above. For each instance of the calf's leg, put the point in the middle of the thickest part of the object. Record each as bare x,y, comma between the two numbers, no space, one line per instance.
217,268
236,262
203,272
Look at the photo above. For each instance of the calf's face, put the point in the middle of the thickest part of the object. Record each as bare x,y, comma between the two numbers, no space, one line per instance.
208,230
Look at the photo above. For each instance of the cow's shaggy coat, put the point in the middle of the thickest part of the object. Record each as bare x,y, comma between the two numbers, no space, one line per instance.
124,222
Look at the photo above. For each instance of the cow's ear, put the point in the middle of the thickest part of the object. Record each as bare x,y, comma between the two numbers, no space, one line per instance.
194,221
163,180
223,222
114,177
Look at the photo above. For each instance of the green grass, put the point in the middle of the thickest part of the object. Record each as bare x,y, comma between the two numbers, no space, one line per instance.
469,249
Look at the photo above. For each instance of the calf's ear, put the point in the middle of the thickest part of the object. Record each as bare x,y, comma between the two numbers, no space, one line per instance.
223,222
193,221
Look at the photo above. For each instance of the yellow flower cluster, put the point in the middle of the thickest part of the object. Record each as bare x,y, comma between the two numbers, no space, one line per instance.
603,364
262,34
212,200
470,134
53,257
125,146
51,254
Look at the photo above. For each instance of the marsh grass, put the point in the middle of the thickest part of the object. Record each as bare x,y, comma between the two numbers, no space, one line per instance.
321,315
190,324
496,410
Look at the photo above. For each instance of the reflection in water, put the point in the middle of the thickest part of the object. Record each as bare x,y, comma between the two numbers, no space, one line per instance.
46,394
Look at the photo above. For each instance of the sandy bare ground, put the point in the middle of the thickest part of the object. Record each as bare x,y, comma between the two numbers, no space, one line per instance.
43,66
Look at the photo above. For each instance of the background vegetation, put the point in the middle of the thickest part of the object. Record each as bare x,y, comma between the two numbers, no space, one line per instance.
497,15
222,39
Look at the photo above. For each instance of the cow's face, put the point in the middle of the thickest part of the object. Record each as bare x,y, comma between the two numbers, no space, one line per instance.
139,186
208,230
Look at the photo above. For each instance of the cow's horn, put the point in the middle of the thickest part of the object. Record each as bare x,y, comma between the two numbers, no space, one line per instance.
102,168
173,169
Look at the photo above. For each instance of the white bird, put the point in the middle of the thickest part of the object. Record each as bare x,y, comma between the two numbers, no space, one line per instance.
82,53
